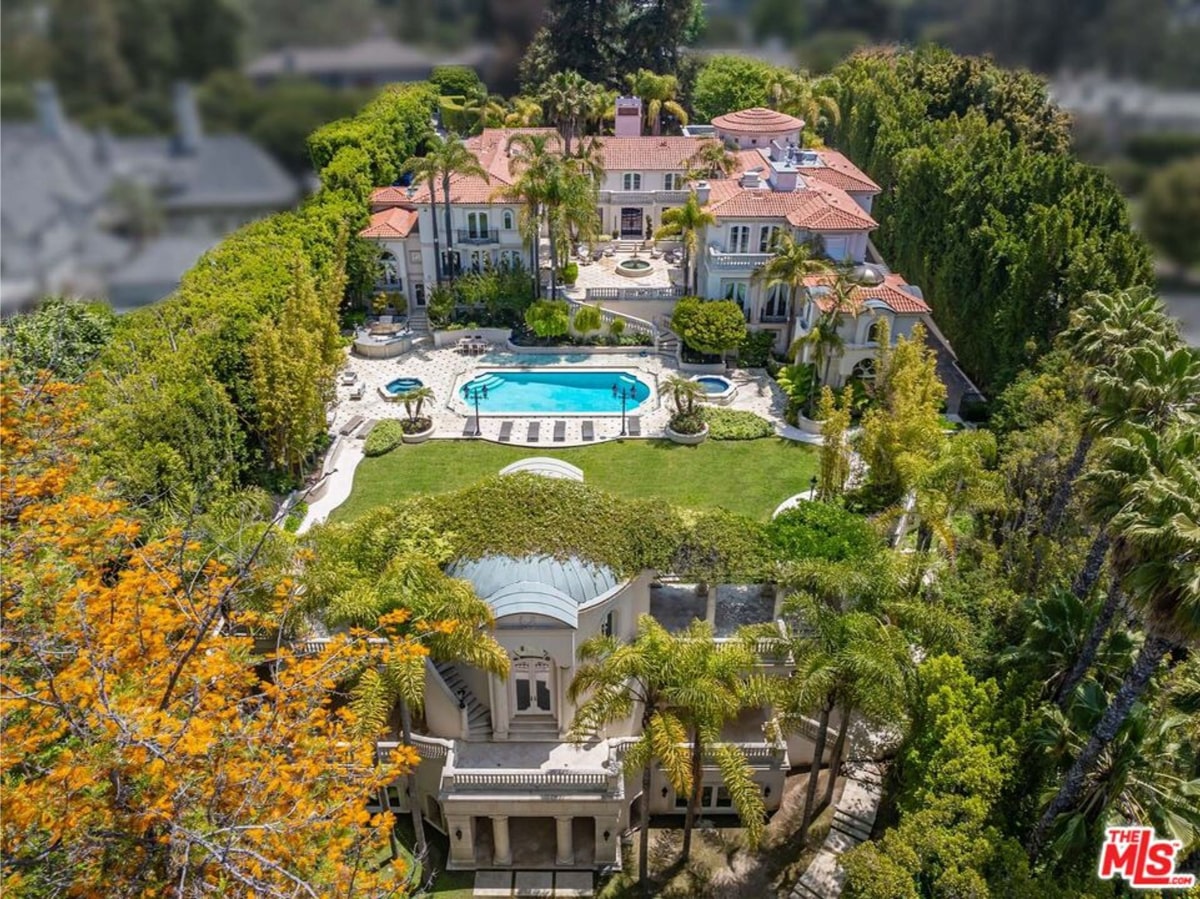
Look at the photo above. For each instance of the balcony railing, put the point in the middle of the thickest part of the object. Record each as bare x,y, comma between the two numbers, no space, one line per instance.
532,779
468,236
717,259
643,197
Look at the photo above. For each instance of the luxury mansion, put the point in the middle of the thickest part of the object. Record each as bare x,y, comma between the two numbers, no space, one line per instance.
776,186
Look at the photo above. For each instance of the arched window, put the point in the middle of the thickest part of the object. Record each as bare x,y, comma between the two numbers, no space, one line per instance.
631,181
874,332
389,270
508,220
864,370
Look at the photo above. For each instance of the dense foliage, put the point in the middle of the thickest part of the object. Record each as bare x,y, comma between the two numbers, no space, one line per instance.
384,437
812,530
59,336
981,205
709,326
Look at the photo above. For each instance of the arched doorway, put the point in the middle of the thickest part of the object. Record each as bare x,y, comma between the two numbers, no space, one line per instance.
631,222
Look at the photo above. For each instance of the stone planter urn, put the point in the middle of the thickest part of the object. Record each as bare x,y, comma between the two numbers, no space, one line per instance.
809,425
418,436
687,439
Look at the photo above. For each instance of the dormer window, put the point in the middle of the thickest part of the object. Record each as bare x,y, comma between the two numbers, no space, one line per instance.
631,181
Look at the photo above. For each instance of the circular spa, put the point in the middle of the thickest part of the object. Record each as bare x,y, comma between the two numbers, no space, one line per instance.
393,390
634,268
717,388
383,341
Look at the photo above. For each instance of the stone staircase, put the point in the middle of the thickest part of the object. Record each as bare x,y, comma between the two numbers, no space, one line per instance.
534,729
479,718
418,320
668,343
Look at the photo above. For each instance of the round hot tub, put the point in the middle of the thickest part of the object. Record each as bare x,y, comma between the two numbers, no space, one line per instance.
393,390
634,268
717,388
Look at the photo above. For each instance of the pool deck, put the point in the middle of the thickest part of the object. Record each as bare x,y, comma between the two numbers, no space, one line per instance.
442,369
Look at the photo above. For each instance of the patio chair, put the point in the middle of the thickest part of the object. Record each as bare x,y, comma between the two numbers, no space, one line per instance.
589,430
560,432
597,255
471,426
357,392
349,427
633,426
506,432
535,428
349,376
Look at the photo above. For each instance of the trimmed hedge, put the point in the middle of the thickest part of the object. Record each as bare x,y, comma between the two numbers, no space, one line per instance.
736,424
384,437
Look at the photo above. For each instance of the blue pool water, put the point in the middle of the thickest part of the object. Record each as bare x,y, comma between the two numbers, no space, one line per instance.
554,391
713,384
402,385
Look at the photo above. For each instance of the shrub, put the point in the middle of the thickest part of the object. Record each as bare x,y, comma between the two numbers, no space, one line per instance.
295,516
384,437
974,410
736,424
616,327
687,422
756,349
548,318
709,326
455,81
587,319
570,273
823,531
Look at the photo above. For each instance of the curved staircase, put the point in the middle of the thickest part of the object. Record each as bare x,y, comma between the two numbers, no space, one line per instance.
479,717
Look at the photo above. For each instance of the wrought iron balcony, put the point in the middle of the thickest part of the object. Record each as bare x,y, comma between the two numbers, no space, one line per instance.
477,236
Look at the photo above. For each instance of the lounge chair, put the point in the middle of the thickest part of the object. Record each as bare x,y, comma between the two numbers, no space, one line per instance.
589,430
560,432
471,426
358,390
506,432
535,428
633,426
366,429
349,427
348,377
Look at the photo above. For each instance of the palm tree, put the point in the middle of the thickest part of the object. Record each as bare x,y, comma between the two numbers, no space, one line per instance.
1149,387
794,262
812,99
711,160
1102,330
714,688
846,660
659,94
425,168
686,222
368,575
413,401
569,99
1156,553
523,112
960,477
449,157
616,678
685,393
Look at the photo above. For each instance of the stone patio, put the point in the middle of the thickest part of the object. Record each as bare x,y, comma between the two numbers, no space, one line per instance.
505,884
604,274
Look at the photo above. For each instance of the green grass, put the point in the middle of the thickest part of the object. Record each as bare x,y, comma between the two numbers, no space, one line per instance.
751,477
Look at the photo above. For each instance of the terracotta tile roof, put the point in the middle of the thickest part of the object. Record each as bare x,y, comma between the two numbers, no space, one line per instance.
817,208
891,293
839,172
390,223
758,120
619,154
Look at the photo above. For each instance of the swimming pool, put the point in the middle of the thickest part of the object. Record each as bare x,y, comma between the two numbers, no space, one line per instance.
554,392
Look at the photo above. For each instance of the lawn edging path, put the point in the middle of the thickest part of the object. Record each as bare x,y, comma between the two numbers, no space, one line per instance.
750,477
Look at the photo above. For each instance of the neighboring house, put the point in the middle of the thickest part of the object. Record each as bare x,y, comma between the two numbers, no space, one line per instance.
497,771
778,187
61,222
1119,109
373,62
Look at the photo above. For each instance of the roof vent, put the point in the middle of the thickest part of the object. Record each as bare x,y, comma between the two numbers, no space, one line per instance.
751,180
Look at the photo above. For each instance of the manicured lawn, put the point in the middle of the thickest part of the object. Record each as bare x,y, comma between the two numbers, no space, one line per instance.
749,476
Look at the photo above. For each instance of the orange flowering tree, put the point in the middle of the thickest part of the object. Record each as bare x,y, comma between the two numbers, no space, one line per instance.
143,752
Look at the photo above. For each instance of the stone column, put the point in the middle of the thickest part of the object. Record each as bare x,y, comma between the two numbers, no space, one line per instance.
710,608
607,839
501,850
565,853
462,839
499,691
565,710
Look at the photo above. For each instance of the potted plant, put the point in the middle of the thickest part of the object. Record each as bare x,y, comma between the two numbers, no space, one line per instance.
417,427
687,425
